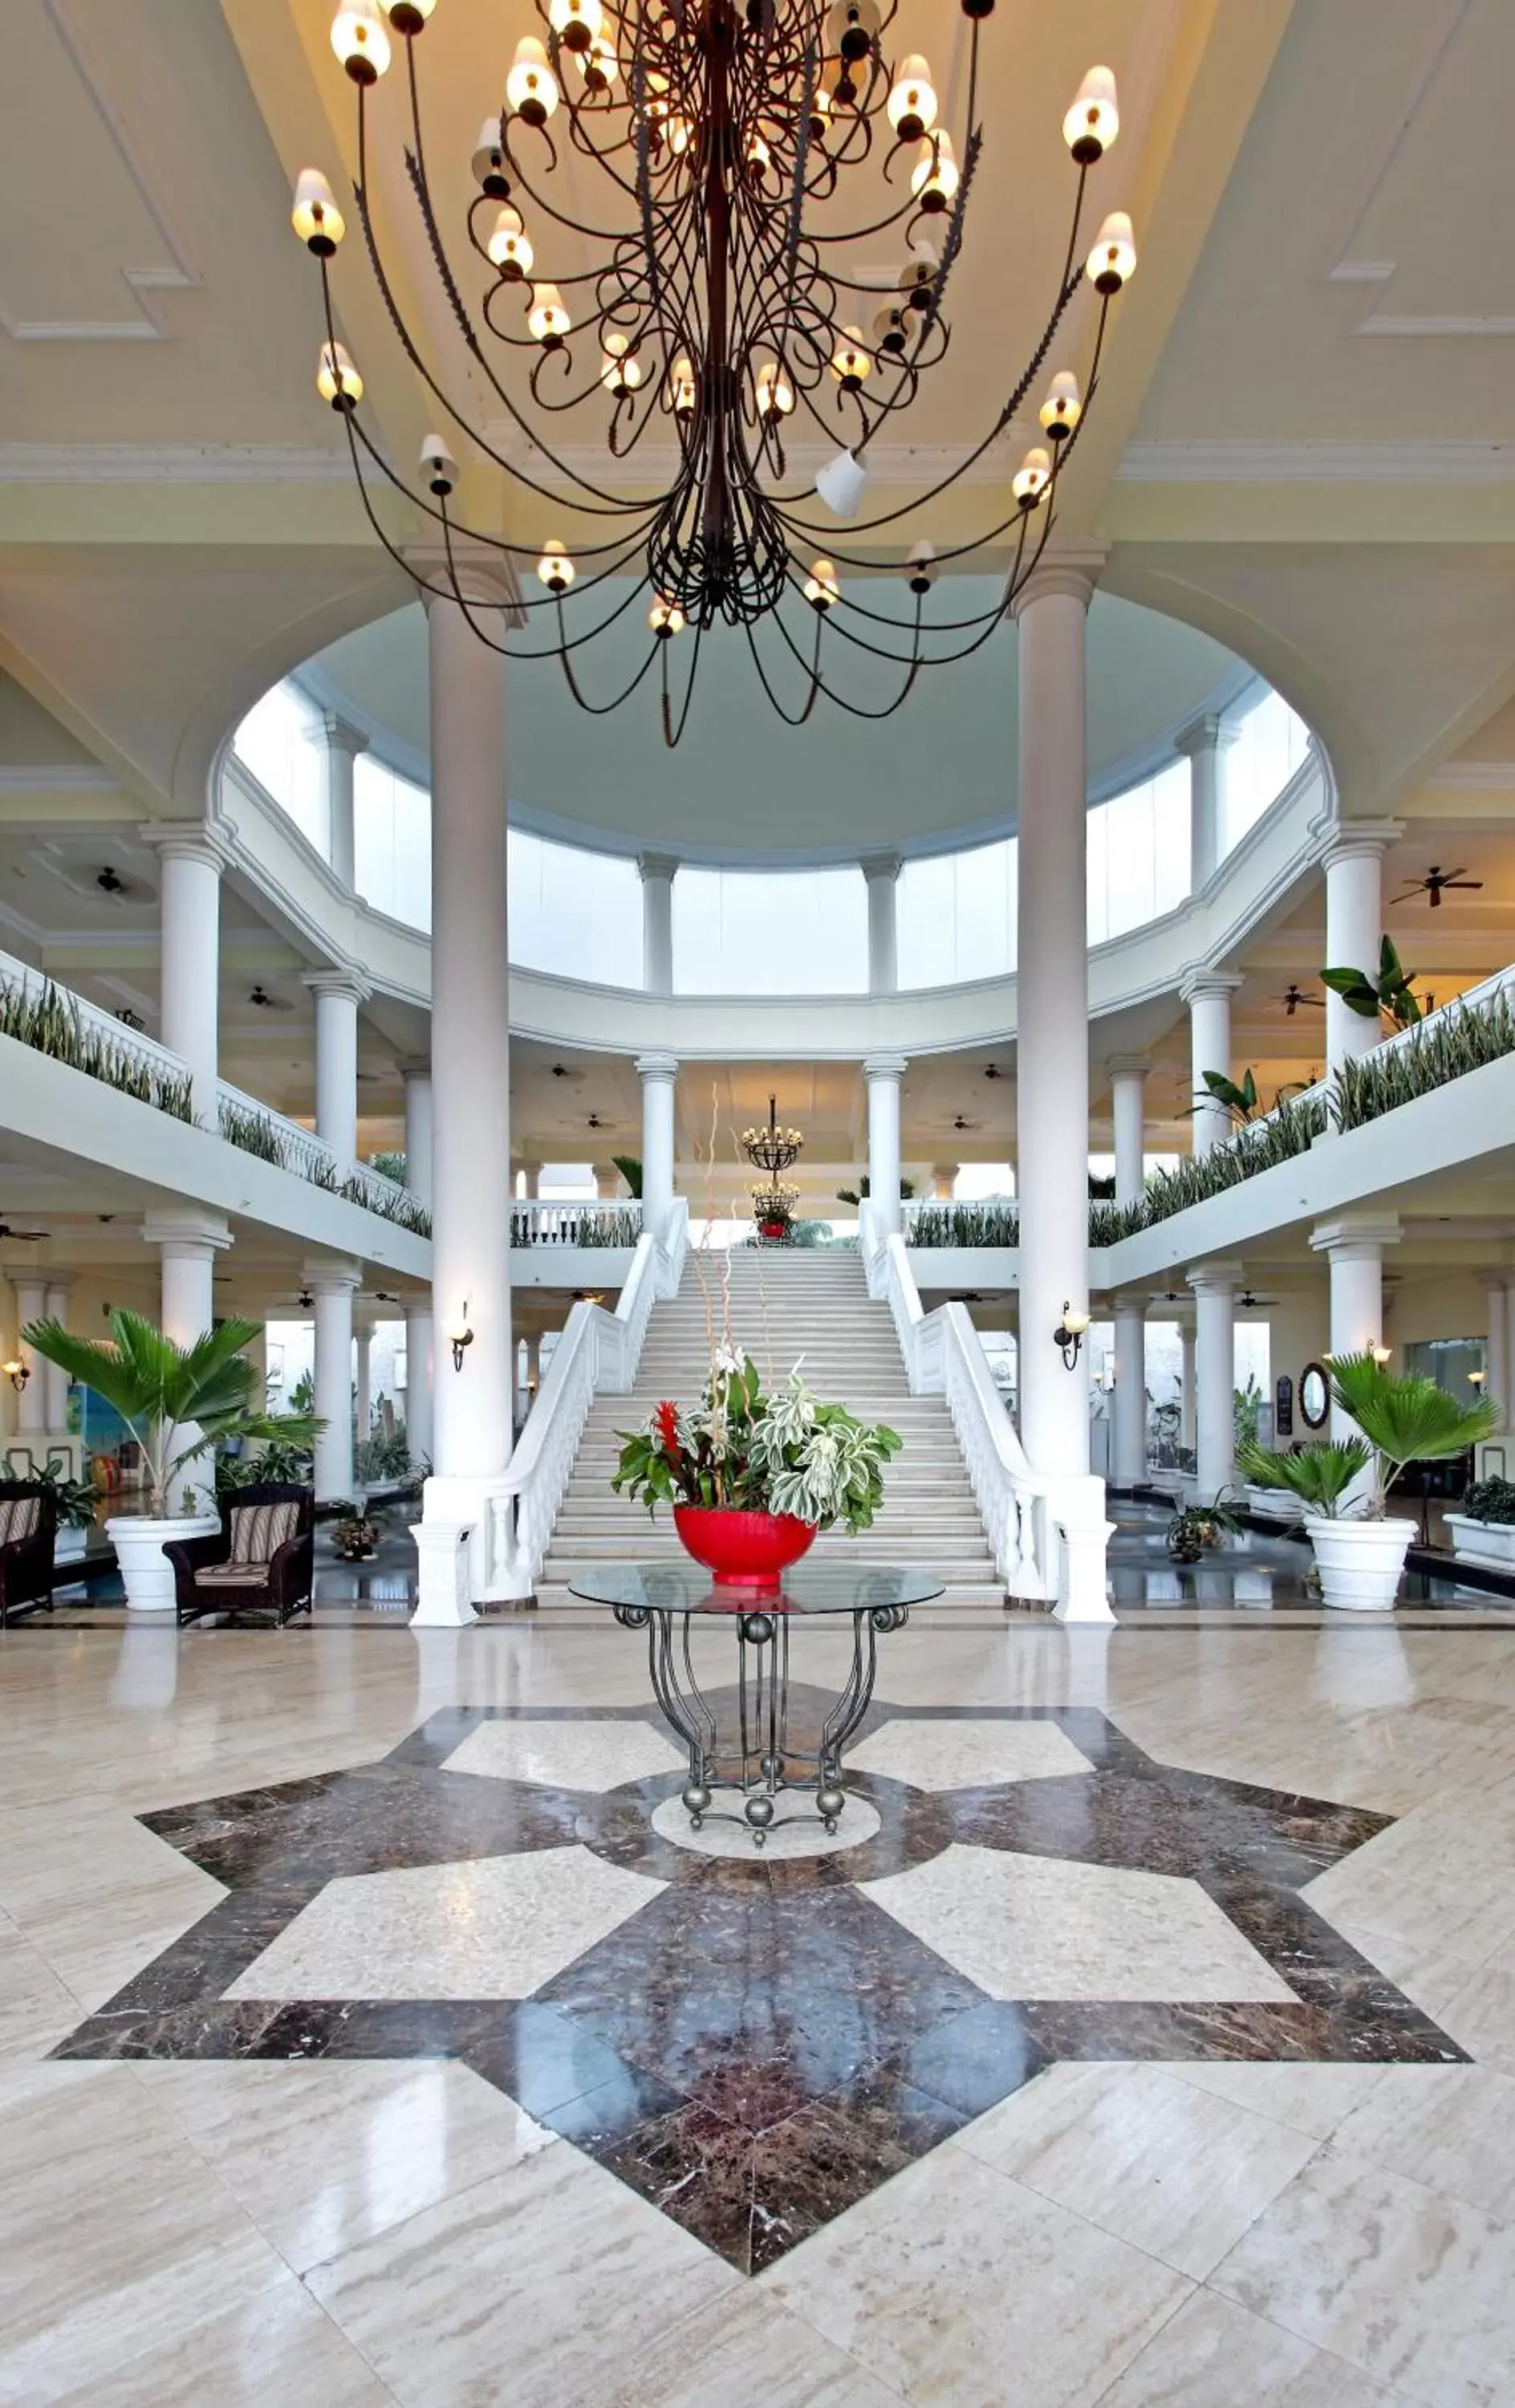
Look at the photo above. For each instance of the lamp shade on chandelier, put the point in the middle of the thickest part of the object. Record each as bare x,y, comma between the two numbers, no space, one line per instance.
720,142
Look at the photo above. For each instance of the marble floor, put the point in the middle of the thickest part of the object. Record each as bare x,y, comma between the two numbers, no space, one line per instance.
373,2029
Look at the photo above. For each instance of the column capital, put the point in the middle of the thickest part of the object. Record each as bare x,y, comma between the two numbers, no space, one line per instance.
885,1065
63,1280
1353,839
1200,984
198,1235
654,1067
1496,1282
414,1066
330,1275
1128,1065
658,865
886,866
190,840
342,735
1217,1279
349,982
1208,732
1074,571
1355,1237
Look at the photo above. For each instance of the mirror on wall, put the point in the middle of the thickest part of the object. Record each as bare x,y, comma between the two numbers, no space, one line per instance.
1314,1396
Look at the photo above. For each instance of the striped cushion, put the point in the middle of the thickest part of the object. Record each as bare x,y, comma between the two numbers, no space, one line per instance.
18,1519
257,1530
230,1576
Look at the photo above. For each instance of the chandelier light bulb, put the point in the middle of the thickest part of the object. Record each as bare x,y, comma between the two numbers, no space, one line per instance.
555,570
576,22
408,16
547,319
360,40
851,360
438,466
935,176
852,29
758,156
1113,260
1061,410
488,161
823,587
619,372
679,133
911,105
775,394
599,64
531,86
1031,480
921,568
666,618
820,114
337,379
315,217
509,246
681,387
1094,120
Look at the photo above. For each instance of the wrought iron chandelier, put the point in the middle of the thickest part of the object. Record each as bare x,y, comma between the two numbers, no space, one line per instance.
773,1149
716,308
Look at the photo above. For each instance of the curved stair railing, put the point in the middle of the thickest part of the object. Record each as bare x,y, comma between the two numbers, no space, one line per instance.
1048,1533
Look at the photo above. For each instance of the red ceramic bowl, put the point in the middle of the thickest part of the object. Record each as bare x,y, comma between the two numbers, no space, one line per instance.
742,1549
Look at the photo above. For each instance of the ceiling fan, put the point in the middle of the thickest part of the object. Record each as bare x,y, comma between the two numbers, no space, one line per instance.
992,1070
1293,996
962,1122
264,1001
1435,883
22,1237
1250,1303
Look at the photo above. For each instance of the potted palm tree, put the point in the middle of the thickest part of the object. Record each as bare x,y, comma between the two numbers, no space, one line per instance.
178,1402
1343,1485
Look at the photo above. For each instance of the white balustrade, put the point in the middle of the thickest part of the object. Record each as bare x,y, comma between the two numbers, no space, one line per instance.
1048,1535
309,1156
586,1222
131,1045
598,1352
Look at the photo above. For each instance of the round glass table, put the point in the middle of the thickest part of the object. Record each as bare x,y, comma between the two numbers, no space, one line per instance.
753,1745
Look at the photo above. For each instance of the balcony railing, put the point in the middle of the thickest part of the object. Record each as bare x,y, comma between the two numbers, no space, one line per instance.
272,1136
537,1222
54,1021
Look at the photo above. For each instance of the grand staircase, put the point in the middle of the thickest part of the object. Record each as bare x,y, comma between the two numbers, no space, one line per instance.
784,1306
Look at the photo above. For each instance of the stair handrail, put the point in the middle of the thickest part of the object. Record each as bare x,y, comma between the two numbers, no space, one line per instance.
598,1352
1047,1533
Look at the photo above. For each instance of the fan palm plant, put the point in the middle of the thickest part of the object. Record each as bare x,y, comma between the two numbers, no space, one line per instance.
1320,1474
178,1402
1408,1419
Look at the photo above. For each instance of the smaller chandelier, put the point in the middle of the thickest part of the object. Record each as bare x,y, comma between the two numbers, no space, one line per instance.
773,1149
774,1202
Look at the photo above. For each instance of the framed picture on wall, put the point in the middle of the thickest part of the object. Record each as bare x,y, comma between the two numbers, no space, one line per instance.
1283,1408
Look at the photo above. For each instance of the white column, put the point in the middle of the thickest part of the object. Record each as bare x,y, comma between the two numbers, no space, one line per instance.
332,1284
1496,1351
1215,1288
418,1128
944,1181
188,1243
32,1403
1128,1098
1353,1246
191,859
606,1181
657,871
471,1097
534,1361
363,1381
343,742
1129,1429
56,1380
1351,856
884,1075
337,993
1506,1400
530,1173
1053,988
658,1073
881,873
1207,993
419,1349
1203,741
1188,1347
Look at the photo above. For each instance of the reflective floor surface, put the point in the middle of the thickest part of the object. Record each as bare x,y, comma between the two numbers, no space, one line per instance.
1149,2042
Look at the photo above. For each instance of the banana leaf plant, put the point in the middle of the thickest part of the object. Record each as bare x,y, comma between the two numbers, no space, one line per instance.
1389,994
1240,1100
177,1401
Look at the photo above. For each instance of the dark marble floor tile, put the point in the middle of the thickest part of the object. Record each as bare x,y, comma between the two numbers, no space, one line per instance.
546,2060
699,2170
378,2028
225,2029
600,2121
974,2059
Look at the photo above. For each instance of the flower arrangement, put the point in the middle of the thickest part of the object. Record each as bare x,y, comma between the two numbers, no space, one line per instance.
354,1538
743,1451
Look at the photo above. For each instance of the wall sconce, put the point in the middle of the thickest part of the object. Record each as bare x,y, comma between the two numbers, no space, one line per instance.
17,1373
1476,1379
1069,1335
1380,1354
459,1336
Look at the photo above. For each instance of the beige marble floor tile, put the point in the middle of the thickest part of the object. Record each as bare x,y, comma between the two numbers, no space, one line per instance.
1481,2014
590,1755
968,1755
276,2350
493,1927
1213,2355
1311,2099
1450,2126
953,2283
1439,1877
1175,2171
114,2233
324,2155
1038,1928
741,2349
36,2007
541,2286
1415,2289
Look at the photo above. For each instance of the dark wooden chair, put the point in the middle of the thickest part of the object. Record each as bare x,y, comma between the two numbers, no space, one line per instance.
28,1527
259,1567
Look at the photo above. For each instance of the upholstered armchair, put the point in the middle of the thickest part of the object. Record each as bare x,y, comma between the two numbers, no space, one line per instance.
259,1567
28,1527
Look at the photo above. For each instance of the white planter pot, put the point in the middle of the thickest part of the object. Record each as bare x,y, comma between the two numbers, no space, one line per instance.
1360,1563
1489,1543
68,1546
147,1574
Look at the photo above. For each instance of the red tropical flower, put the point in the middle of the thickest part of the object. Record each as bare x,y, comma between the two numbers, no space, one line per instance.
665,1422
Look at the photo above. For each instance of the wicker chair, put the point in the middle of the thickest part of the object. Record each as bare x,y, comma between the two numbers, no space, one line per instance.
259,1567
28,1509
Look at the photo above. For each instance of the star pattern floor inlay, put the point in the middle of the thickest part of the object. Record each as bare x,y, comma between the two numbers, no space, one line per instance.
755,2045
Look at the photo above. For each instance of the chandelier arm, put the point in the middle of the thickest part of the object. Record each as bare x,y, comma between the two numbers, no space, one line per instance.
856,709
934,660
600,709
790,718
671,734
